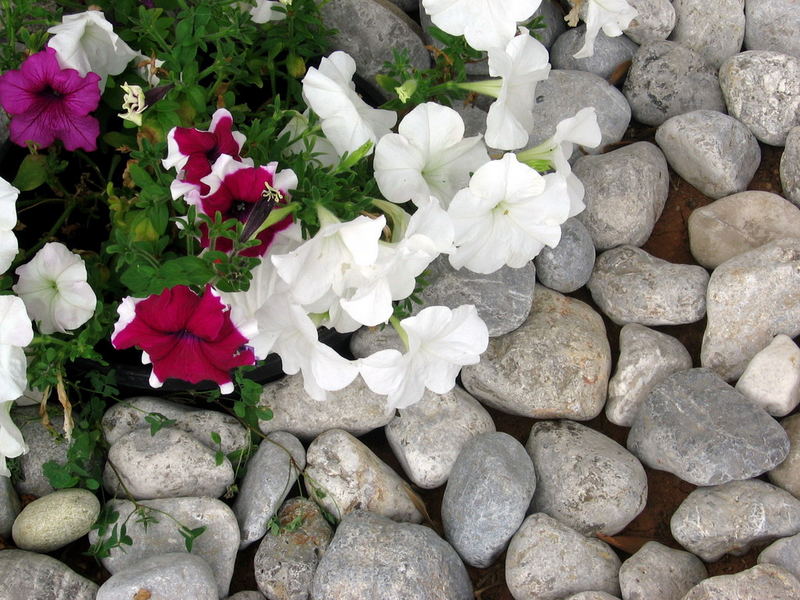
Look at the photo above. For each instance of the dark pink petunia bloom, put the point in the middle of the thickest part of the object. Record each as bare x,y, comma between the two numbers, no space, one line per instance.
47,103
184,336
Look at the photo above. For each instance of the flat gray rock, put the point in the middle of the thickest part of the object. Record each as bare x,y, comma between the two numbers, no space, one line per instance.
631,286
772,379
654,23
373,557
790,166
28,576
646,357
248,595
171,575
569,265
714,152
428,436
785,553
713,521
762,582
609,52
9,506
625,192
657,571
787,474
667,79
55,520
556,365
715,30
762,90
592,596
751,298
43,446
271,473
585,479
699,428
546,560
487,495
772,25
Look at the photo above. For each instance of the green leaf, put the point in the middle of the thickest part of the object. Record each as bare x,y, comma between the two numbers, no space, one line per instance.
157,421
32,173
240,409
264,414
215,437
138,278
58,475
219,457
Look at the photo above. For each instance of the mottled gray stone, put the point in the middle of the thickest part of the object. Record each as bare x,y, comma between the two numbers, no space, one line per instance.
356,408
406,5
553,19
31,576
609,52
248,595
351,477
751,298
714,152
762,90
625,192
55,520
656,571
171,575
124,417
785,553
474,118
428,436
217,545
569,265
564,93
646,358
44,445
762,582
271,473
654,22
503,298
285,563
790,166
168,464
592,596
787,474
556,365
714,30
487,495
772,379
373,557
547,560
585,479
699,428
9,506
772,25
668,79
631,286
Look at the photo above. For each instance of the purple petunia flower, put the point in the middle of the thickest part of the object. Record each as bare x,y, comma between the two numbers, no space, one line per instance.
47,103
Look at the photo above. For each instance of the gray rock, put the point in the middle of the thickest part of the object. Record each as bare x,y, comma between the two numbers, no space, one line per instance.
44,445
217,545
772,25
271,473
428,436
9,506
656,571
369,340
487,495
402,561
569,265
715,30
503,298
732,517
666,79
585,479
625,192
546,560
772,379
785,553
790,166
406,5
646,358
787,474
714,152
553,19
474,118
171,575
29,576
556,365
739,223
762,582
343,475
124,417
55,520
631,286
654,22
609,52
356,408
169,464
751,298
762,90
699,428
249,595
285,563
592,596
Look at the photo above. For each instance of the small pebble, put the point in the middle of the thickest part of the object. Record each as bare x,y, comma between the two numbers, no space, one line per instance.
772,378
55,520
569,265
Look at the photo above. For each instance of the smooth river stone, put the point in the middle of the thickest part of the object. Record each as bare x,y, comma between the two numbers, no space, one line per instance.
654,23
9,506
785,553
43,447
569,265
556,365
715,30
171,575
772,379
787,474
657,571
751,298
55,520
772,25
31,576
762,582
699,428
609,52
790,166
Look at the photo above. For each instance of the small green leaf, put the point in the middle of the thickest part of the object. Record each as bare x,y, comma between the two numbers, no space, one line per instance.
215,437
32,173
219,457
157,421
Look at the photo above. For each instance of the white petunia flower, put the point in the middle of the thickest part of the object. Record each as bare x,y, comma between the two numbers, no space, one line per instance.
87,43
506,216
263,11
8,220
439,342
11,442
16,332
612,16
322,150
54,288
347,121
427,157
485,24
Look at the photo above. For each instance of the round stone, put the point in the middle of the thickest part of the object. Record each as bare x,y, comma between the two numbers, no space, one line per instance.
569,265
714,30
654,21
609,52
55,520
772,25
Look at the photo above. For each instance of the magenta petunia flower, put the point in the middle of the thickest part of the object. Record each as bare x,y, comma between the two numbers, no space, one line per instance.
184,335
47,103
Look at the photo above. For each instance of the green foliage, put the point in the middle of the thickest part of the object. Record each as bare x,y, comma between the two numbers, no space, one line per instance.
157,422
